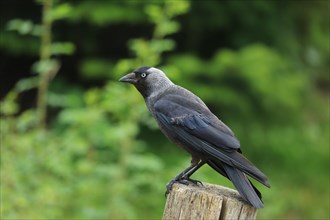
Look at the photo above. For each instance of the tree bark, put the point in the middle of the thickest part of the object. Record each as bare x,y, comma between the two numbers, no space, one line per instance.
206,202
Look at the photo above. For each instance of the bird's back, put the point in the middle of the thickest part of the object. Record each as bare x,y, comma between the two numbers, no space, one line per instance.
183,102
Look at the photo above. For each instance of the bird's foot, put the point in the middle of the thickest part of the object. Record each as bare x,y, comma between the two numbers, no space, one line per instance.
187,180
183,180
169,186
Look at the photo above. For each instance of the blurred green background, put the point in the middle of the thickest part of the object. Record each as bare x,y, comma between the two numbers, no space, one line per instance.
75,143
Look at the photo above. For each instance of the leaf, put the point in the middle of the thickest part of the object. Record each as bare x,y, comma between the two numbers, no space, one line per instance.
160,46
27,84
9,106
24,27
45,66
61,11
62,48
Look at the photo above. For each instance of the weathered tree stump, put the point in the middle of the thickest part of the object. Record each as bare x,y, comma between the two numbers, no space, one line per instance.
206,202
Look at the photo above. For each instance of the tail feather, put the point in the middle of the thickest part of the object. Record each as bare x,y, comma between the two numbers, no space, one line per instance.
236,159
246,166
241,182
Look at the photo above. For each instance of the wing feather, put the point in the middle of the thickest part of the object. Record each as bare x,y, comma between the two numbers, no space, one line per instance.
195,130
198,124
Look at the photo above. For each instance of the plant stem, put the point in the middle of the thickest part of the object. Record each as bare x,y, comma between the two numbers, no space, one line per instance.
45,53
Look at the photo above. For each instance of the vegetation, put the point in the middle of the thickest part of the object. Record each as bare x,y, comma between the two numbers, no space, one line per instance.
75,143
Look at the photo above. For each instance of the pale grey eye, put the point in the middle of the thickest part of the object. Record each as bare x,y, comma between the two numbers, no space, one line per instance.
143,75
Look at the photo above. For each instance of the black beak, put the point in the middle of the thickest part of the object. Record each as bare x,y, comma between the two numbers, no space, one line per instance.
129,78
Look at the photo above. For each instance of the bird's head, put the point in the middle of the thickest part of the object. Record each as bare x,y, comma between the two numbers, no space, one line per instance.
149,81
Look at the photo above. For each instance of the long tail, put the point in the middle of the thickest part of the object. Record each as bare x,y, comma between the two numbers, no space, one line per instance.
240,181
243,164
237,160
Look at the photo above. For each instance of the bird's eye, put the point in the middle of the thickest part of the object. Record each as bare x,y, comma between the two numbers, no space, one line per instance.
143,75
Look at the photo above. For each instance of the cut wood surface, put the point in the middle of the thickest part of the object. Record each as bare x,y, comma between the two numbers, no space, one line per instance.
206,202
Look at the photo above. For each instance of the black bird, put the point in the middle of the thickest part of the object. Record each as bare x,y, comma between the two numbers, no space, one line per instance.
186,120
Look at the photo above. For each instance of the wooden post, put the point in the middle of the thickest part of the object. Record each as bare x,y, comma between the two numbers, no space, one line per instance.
209,202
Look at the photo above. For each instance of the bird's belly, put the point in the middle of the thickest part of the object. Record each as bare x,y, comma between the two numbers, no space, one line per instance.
179,142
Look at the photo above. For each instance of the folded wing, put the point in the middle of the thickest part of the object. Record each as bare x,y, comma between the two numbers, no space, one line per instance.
197,128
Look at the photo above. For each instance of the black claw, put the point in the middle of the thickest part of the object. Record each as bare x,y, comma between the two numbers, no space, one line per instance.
169,186
187,180
183,180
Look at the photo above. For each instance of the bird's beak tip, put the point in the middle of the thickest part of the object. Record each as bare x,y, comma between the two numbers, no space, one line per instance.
122,79
129,78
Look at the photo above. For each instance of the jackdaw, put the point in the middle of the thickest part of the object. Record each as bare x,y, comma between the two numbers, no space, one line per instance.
187,121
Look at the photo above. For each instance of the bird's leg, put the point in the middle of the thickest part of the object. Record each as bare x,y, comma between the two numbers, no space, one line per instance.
186,176
180,176
183,177
192,171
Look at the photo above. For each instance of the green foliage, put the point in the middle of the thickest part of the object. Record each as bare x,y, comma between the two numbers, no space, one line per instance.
96,68
89,151
9,105
150,51
85,151
104,12
100,155
24,27
254,80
